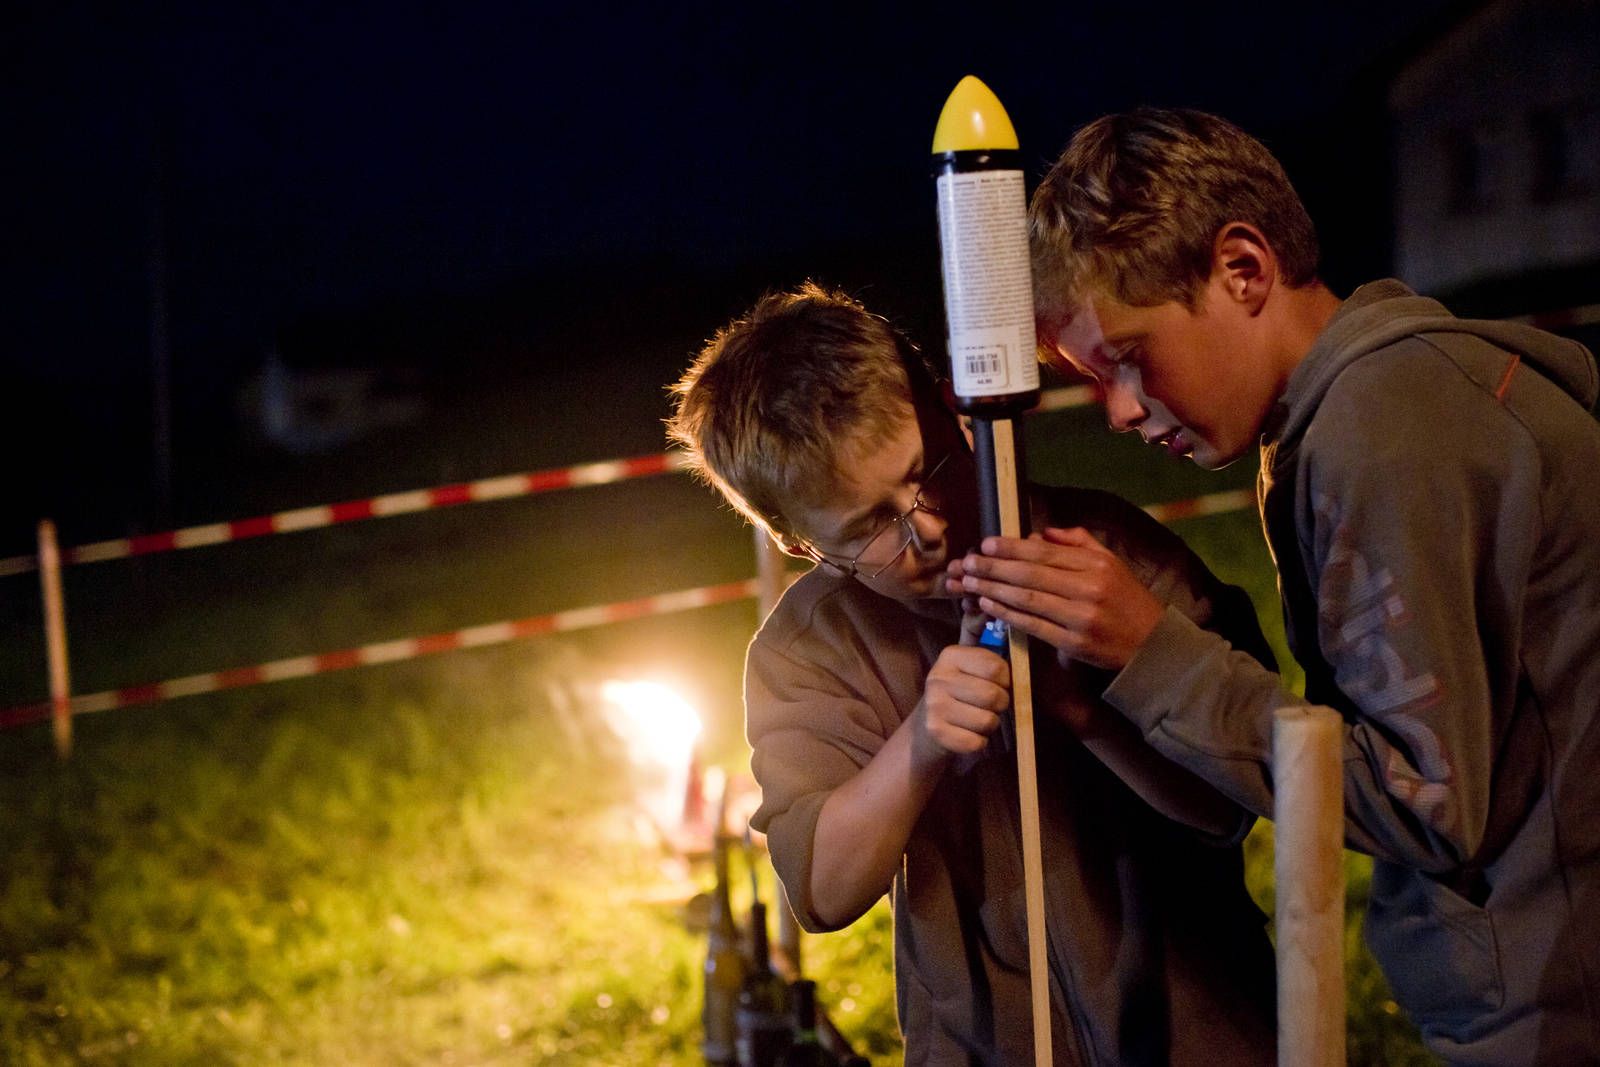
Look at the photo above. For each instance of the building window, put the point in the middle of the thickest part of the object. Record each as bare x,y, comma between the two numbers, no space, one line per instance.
1562,149
1466,158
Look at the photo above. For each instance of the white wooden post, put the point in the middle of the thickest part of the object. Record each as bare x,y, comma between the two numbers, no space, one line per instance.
1308,869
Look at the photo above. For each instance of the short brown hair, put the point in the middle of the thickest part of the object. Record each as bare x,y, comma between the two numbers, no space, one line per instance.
762,411
1134,205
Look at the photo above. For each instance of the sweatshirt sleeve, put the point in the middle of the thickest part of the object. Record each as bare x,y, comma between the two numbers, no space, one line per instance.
1204,705
1196,598
809,734
1395,548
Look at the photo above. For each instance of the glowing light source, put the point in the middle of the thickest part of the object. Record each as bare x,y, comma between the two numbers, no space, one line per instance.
658,729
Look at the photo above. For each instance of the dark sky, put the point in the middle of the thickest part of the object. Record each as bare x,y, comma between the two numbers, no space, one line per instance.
327,154
306,161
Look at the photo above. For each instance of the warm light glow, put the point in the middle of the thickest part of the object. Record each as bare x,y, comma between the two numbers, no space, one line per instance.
653,718
659,729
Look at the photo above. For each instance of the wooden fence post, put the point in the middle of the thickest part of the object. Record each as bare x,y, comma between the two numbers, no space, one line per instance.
1308,869
772,578
55,634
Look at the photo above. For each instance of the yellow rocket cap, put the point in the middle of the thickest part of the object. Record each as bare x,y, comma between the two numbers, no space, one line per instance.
973,120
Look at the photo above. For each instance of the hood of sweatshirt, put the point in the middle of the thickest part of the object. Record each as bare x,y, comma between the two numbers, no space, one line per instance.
1383,312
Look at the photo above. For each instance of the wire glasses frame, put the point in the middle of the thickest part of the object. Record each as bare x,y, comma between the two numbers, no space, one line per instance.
898,531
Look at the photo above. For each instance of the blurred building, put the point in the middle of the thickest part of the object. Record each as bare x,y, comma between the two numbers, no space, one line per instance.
1496,124
307,411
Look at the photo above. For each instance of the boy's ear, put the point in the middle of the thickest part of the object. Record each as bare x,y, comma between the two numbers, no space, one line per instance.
1244,264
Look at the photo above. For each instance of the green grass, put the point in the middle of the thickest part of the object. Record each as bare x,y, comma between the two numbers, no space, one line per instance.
414,864
400,869
431,862
409,865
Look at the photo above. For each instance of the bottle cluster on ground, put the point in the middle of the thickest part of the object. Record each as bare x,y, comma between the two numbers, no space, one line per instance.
751,1016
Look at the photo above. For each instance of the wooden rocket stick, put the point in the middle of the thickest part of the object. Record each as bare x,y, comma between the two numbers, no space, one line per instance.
1007,481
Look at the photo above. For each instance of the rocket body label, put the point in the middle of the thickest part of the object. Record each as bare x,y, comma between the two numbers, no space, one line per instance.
988,289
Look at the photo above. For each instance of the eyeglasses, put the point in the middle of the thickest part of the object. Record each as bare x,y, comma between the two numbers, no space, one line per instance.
888,541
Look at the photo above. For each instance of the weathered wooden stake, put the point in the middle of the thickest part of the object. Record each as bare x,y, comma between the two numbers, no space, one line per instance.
772,578
1308,869
55,637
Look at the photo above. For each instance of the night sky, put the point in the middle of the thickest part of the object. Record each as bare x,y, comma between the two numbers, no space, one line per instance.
304,159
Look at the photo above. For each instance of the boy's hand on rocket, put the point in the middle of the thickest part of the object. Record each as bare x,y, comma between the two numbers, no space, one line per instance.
973,620
1066,589
965,693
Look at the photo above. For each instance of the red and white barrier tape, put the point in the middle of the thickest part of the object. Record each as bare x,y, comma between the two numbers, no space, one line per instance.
1057,399
1210,504
329,514
414,500
1068,396
490,634
389,651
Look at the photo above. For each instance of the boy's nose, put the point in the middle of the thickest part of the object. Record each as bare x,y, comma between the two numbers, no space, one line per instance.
927,529
1124,410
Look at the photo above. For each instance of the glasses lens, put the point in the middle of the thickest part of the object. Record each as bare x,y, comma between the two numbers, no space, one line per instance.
888,543
931,496
886,547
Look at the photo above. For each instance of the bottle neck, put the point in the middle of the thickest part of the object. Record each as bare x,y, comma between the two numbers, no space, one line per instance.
805,1009
760,947
722,906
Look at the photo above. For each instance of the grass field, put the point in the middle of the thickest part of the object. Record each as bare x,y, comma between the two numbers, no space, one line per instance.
439,861
412,869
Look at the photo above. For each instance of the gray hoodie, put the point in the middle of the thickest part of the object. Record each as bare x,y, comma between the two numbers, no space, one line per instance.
1430,487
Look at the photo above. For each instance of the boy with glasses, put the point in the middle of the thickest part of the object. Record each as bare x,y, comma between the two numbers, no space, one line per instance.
876,722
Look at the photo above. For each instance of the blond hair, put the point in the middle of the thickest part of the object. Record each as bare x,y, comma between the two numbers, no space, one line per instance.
1136,200
764,409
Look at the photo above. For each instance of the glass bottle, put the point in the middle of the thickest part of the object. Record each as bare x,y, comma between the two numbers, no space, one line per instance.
805,1050
725,968
762,1014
